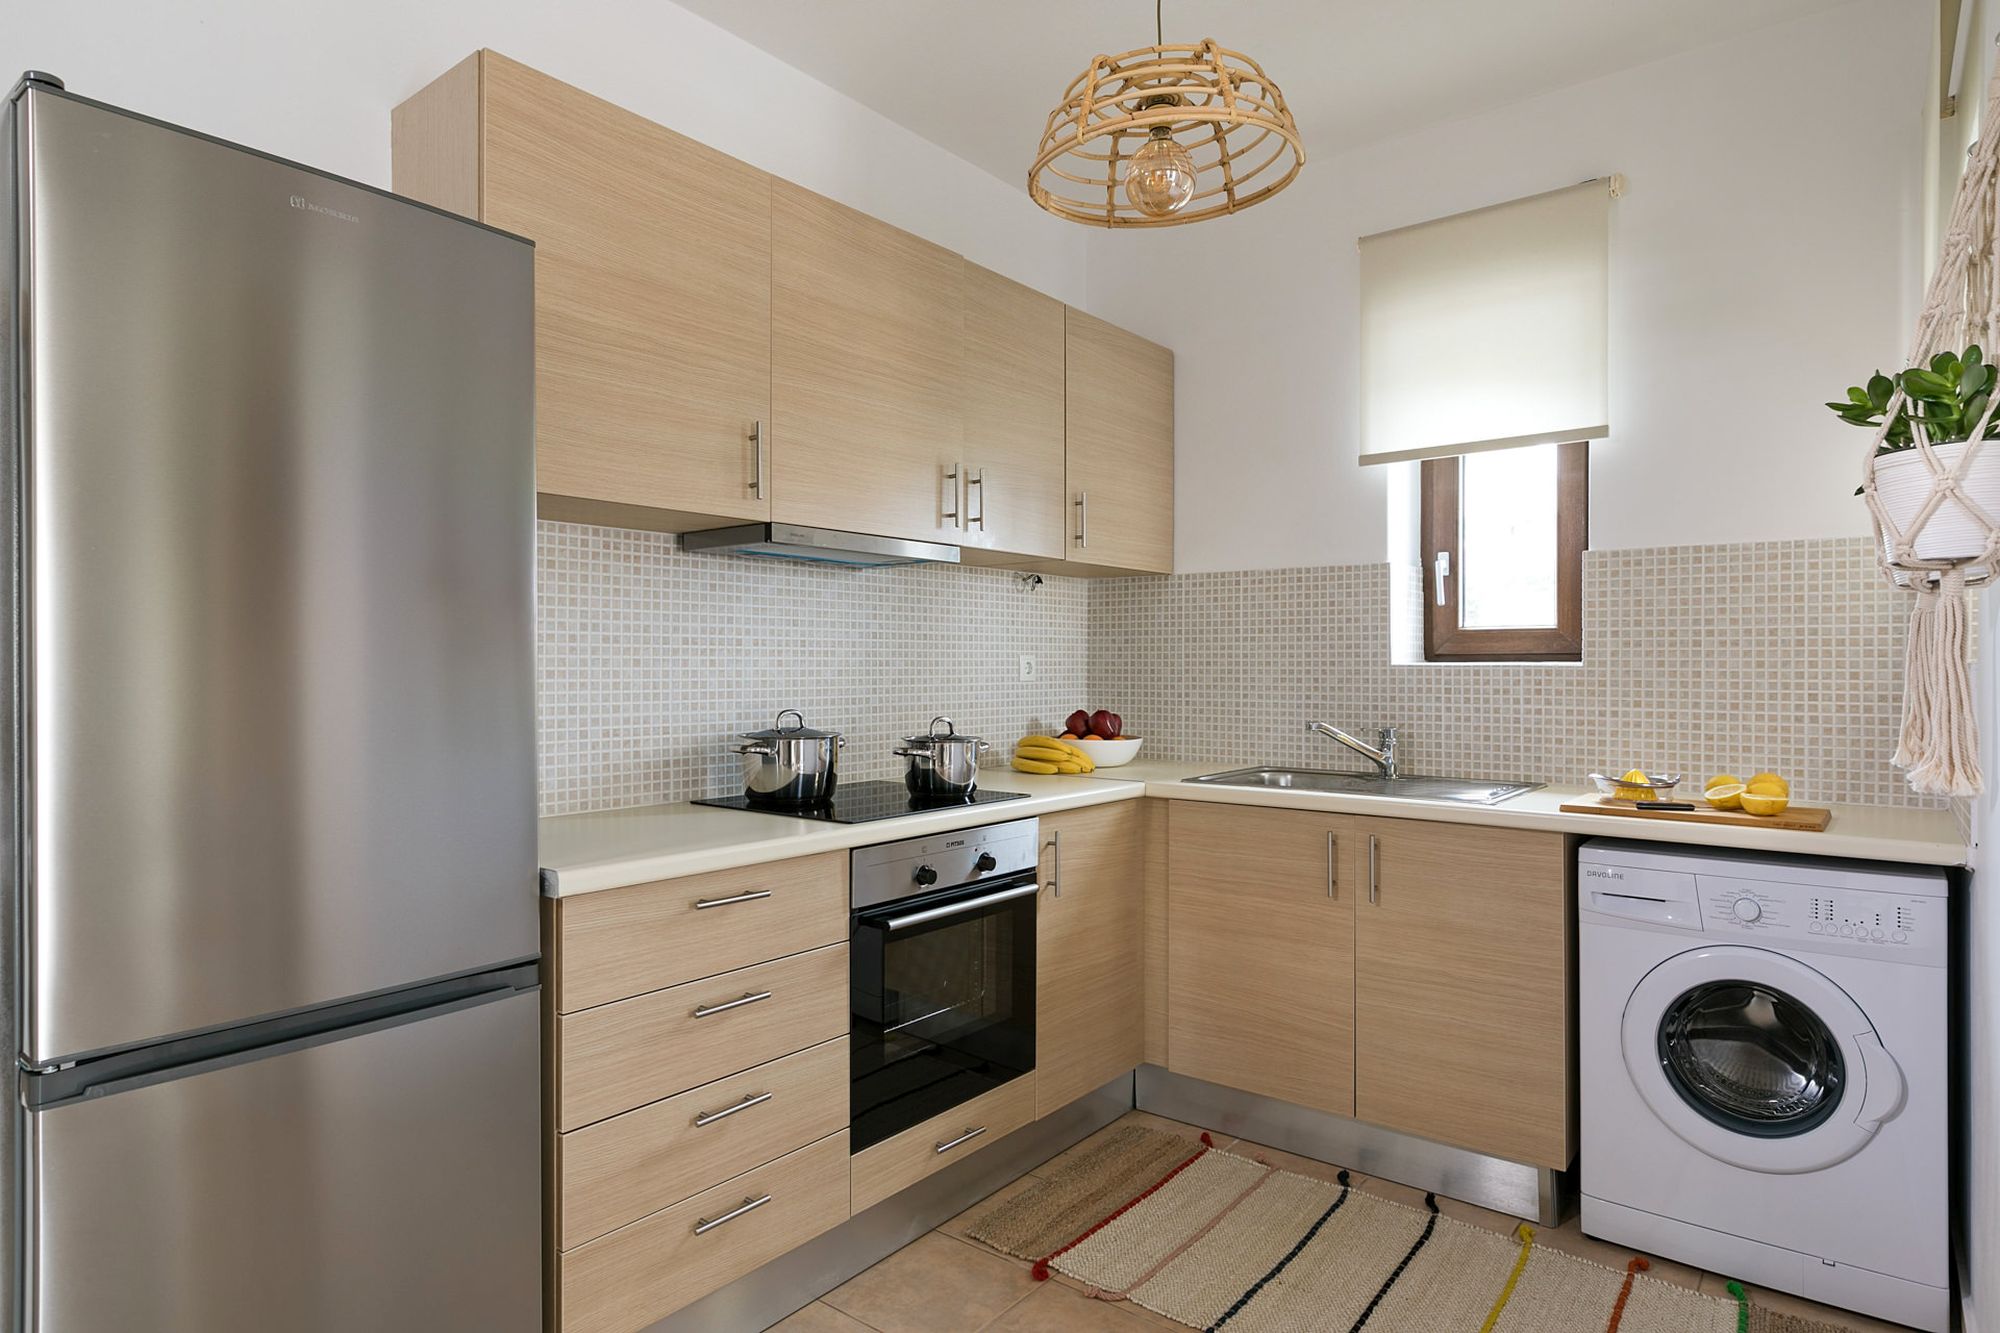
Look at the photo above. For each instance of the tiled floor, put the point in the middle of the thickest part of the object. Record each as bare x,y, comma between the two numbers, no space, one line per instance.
944,1283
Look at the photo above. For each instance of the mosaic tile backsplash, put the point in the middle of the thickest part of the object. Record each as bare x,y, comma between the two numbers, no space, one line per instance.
1781,655
1697,659
650,661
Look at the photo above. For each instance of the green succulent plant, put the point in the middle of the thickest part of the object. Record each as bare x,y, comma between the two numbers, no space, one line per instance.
1946,398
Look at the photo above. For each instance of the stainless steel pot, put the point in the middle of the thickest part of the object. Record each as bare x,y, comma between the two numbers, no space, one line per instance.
790,766
942,763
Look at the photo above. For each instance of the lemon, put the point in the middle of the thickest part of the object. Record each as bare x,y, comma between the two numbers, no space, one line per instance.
1770,784
1725,795
1764,803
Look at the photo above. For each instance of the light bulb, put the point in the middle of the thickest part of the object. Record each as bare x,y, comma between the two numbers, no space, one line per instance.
1160,177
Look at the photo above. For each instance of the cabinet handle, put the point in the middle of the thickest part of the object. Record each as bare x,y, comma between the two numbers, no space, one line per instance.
757,459
703,904
1055,879
955,514
705,1224
726,1006
1374,871
1332,860
976,479
1082,519
750,1099
949,1144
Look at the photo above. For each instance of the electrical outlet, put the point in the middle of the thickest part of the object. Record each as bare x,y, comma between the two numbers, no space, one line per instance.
1027,667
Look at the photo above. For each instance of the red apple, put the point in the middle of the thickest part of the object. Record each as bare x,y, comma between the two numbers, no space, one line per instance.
1117,728
1078,722
1103,725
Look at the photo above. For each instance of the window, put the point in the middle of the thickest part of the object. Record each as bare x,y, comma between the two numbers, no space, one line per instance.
1503,535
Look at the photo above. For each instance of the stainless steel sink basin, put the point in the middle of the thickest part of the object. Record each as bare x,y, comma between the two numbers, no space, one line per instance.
1466,791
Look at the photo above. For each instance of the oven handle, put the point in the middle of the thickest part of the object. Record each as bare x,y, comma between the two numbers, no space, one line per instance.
962,908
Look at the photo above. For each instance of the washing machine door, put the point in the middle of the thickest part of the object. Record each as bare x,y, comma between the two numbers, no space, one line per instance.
1758,1059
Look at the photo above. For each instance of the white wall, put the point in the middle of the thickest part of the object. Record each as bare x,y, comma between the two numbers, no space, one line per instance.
315,82
1765,255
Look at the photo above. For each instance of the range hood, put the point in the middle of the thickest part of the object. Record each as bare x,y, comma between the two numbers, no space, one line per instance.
822,546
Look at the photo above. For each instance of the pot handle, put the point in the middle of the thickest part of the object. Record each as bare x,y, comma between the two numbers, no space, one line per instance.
949,726
779,724
983,746
758,747
909,753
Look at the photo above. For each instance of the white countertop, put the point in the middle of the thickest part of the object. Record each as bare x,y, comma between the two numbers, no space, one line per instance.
614,848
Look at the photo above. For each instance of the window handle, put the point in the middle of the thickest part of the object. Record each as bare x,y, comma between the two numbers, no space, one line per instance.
1440,571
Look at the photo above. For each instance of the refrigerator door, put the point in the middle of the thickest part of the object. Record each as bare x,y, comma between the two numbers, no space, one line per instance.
386,1181
278,560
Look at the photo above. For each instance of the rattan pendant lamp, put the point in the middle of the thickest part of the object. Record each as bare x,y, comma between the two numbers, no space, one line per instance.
1165,135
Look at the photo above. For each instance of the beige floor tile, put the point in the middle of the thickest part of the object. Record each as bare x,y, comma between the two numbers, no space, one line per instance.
1569,1239
818,1318
1056,1308
935,1284
1717,1284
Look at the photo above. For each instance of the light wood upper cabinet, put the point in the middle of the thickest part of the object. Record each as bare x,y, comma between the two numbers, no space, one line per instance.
1260,951
1011,386
1089,929
1463,1018
1119,427
867,325
652,288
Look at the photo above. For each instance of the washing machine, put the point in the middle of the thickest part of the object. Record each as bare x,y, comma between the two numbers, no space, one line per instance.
1762,1058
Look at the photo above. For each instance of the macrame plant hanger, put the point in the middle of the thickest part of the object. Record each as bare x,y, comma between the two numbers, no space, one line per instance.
1939,746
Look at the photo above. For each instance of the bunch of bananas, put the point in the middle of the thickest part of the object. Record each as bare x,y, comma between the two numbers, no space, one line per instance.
1046,754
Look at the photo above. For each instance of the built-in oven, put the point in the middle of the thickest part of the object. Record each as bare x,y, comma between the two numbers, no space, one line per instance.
943,983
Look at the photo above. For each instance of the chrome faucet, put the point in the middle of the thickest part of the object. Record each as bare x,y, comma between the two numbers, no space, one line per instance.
1383,757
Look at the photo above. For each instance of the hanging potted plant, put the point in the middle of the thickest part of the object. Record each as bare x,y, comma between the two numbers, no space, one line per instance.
1923,491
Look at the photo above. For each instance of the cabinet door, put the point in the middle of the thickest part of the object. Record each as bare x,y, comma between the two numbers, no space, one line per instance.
1089,1009
1011,382
652,300
1463,1017
1119,425
866,326
1260,951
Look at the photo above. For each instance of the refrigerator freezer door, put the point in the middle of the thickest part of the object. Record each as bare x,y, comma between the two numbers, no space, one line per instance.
278,668
389,1181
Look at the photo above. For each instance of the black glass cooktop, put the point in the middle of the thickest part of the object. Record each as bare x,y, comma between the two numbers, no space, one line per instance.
861,802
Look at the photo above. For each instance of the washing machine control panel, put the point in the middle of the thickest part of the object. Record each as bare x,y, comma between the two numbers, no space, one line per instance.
1847,921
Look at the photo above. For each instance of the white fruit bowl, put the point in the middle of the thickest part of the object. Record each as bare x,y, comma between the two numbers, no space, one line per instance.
1110,754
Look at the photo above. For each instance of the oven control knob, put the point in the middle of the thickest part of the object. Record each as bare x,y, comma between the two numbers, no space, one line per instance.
984,863
1748,909
925,876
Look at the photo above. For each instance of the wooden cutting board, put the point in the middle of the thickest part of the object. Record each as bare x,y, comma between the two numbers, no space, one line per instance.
1797,818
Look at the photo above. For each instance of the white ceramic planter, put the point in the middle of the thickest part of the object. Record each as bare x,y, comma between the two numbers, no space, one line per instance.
1903,483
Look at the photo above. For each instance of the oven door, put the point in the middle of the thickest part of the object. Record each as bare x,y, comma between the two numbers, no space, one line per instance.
943,1002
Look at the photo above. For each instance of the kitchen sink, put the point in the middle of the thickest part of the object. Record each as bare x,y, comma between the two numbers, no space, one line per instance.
1466,791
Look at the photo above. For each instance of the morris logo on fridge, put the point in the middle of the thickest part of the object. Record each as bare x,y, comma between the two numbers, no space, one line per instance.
299,201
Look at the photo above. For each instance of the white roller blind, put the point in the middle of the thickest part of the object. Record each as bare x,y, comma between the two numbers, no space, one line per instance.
1486,330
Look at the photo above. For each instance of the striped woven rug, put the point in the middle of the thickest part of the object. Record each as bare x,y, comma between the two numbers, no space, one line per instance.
1216,1240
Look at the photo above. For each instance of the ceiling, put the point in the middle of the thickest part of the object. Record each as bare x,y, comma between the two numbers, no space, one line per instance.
979,77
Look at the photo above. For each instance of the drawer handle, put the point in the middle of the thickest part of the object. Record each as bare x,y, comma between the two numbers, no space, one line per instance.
750,1099
702,1224
703,904
949,1144
727,1005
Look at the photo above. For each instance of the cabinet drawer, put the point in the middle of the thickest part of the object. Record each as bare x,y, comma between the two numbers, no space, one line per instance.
621,1169
642,1272
625,942
897,1163
631,1052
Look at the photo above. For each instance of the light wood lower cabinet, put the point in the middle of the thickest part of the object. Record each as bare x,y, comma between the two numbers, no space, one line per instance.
619,1170
1089,931
632,940
626,1280
621,1055
900,1162
1260,951
1462,990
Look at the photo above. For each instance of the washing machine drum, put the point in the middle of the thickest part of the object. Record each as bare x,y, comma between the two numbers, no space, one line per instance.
1758,1059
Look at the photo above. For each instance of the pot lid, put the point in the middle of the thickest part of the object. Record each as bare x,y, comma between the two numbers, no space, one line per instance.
778,731
942,729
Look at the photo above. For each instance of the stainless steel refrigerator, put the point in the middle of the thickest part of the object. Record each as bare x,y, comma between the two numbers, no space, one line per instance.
270,817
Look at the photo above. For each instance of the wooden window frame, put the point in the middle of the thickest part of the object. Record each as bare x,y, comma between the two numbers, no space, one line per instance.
1444,640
